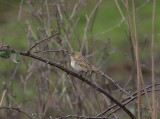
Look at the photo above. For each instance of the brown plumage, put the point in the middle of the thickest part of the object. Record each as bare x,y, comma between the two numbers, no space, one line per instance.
80,63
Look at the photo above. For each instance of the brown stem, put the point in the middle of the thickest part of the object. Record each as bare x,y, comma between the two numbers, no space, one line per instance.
128,98
17,109
130,101
95,86
152,62
115,83
53,35
137,62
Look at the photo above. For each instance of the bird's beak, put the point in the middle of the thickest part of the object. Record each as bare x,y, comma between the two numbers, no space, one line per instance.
70,54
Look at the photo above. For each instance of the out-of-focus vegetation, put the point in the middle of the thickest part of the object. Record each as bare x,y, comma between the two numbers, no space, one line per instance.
15,20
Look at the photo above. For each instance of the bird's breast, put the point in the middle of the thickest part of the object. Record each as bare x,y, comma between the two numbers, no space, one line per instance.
72,63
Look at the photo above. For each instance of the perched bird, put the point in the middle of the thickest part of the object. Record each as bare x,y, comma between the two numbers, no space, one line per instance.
80,63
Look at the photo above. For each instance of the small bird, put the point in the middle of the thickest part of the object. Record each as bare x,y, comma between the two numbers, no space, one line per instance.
80,63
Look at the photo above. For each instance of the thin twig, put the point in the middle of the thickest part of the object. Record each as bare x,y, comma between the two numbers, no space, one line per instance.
3,95
132,48
152,62
53,35
137,63
119,24
126,99
85,33
120,10
62,23
17,109
95,86
131,100
115,83
88,18
20,10
62,50
82,117
75,9
135,51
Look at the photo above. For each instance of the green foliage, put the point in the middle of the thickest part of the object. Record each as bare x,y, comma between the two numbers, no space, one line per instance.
14,55
6,53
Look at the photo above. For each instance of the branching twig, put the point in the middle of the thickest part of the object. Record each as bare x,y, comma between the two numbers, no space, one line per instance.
20,9
53,35
118,24
131,100
134,48
82,117
120,10
62,50
126,99
87,23
17,109
115,83
75,9
95,86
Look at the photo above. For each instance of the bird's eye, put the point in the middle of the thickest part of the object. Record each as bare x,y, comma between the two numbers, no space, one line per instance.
72,54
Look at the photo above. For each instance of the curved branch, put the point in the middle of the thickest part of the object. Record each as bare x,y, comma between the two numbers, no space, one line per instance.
130,101
53,35
82,117
95,86
126,99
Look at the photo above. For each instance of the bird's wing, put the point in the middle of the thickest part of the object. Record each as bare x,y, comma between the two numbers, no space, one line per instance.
83,62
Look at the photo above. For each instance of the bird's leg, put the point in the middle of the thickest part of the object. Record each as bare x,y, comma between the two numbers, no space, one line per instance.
86,73
80,73
90,73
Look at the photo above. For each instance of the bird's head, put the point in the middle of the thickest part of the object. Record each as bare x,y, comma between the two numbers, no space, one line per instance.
75,54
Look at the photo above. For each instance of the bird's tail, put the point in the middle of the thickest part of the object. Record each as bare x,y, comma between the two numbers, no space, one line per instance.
94,69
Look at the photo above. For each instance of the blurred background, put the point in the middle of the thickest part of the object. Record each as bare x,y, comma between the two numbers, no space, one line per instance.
99,29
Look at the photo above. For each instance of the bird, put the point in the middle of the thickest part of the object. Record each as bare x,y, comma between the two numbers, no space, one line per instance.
80,63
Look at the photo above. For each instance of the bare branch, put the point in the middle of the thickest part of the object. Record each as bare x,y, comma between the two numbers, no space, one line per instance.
115,83
82,117
127,99
119,24
87,24
152,62
120,10
62,50
20,9
16,109
131,100
3,95
75,9
53,35
93,85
